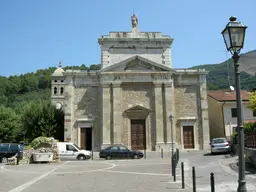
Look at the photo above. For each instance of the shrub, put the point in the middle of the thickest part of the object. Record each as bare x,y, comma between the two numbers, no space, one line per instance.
249,128
41,142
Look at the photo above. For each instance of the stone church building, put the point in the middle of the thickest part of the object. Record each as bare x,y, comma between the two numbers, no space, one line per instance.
136,98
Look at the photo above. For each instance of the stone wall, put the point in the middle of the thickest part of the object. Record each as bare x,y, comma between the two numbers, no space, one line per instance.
250,155
86,101
136,94
41,145
155,47
87,104
185,101
185,105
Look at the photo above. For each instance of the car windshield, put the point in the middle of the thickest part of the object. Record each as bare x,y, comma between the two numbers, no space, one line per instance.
219,140
77,146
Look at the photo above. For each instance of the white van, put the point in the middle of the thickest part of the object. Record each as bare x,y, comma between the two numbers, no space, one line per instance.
72,151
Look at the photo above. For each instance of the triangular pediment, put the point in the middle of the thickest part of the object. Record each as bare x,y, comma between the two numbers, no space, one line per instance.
136,63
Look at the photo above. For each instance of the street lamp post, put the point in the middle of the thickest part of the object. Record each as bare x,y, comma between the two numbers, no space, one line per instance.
233,35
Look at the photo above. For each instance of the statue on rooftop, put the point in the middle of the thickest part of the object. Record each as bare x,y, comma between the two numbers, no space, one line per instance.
134,21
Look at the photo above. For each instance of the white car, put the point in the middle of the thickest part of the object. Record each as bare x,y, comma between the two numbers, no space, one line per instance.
220,145
72,151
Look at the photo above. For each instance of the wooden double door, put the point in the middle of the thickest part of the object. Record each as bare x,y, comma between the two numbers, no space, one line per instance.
188,137
138,134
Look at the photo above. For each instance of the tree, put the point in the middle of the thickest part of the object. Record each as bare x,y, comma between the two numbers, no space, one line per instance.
252,100
41,118
10,125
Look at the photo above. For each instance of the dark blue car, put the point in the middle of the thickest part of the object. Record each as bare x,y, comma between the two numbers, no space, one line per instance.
8,150
119,152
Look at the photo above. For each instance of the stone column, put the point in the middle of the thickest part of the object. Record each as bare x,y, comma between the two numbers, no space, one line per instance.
117,113
159,115
169,102
205,130
68,109
106,112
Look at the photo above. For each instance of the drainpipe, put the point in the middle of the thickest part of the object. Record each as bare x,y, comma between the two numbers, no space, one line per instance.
223,118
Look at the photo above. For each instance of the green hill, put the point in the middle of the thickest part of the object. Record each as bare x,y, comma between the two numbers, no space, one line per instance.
222,75
19,90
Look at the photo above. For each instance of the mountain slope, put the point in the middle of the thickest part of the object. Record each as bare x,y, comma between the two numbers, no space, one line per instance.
221,76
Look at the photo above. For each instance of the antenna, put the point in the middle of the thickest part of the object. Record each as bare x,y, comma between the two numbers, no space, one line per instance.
231,88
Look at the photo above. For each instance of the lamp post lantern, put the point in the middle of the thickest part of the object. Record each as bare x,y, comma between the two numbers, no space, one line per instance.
171,117
233,35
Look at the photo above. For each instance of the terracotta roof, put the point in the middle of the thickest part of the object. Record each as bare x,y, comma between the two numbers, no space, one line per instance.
250,120
224,95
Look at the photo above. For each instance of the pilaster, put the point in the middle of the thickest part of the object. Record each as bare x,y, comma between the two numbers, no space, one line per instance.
205,130
170,124
159,115
68,110
117,113
106,112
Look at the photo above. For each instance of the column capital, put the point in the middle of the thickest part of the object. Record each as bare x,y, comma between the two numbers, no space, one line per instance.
105,85
168,85
157,84
116,85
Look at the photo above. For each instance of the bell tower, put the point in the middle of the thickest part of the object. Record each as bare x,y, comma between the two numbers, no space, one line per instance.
58,87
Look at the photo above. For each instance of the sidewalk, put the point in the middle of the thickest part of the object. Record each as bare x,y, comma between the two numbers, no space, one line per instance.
225,177
176,186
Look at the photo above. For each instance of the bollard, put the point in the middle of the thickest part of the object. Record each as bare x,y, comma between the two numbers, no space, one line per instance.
174,169
18,158
92,154
162,154
182,176
172,164
212,182
194,179
145,154
178,155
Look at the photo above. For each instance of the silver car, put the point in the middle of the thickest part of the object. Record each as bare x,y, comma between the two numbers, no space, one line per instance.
220,145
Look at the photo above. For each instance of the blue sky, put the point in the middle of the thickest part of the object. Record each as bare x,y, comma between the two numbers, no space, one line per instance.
37,34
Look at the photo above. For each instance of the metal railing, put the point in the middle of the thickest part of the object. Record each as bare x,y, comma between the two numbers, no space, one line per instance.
251,140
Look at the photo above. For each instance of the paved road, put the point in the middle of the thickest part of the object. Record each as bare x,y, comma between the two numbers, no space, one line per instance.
151,174
109,176
204,163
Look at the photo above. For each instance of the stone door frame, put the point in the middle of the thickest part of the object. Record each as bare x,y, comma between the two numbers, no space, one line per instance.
83,124
139,112
192,123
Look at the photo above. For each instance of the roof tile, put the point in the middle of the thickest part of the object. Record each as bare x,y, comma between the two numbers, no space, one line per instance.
224,95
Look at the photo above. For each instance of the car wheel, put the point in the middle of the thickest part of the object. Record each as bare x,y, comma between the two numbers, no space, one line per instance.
135,157
81,157
108,157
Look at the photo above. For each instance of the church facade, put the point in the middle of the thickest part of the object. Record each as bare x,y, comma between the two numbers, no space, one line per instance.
136,99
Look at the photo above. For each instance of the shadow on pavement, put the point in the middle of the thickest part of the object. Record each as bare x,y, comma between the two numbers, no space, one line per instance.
209,154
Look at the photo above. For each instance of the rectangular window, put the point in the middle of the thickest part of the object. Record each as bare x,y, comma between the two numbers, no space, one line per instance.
254,113
233,112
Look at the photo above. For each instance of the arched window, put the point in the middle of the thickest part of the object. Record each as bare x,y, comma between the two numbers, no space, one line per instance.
61,90
55,90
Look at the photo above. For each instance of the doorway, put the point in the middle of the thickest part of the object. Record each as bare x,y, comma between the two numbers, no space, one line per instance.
138,134
188,137
86,138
